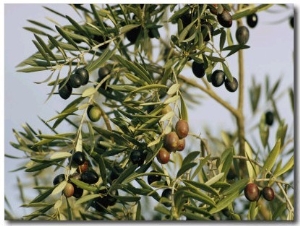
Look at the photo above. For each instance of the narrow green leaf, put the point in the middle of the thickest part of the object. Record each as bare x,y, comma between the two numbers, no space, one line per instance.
236,187
201,186
65,36
35,31
225,202
32,69
42,196
286,167
86,198
229,37
185,168
105,56
200,197
236,48
215,59
250,167
128,198
183,109
133,66
190,157
271,159
41,50
263,131
185,31
45,47
59,188
214,179
227,71
38,167
83,185
40,24
60,155
222,39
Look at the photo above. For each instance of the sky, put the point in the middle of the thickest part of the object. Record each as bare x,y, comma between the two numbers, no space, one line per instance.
271,53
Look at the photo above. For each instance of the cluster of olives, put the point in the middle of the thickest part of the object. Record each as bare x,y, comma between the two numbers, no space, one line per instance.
79,78
83,174
166,193
173,141
218,77
252,192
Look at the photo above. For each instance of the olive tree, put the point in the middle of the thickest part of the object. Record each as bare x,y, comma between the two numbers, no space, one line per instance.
128,152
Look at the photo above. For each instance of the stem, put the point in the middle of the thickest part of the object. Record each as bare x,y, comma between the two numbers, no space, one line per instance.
240,117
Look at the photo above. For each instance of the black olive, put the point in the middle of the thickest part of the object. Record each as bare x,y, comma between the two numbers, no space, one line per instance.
90,177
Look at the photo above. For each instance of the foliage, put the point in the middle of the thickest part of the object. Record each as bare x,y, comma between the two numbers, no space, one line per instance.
205,184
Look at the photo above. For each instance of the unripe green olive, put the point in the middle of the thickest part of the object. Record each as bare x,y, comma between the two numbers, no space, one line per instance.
94,113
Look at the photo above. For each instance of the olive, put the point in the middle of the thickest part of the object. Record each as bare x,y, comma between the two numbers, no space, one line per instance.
68,190
78,158
171,141
83,167
75,80
101,39
163,156
152,178
268,193
59,178
90,177
167,193
64,91
181,144
115,173
231,86
137,157
94,113
133,34
292,21
251,192
83,75
269,118
77,192
198,69
103,71
217,78
225,19
252,20
186,19
110,199
182,128
242,35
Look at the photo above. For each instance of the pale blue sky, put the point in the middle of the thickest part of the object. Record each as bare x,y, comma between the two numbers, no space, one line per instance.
270,53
